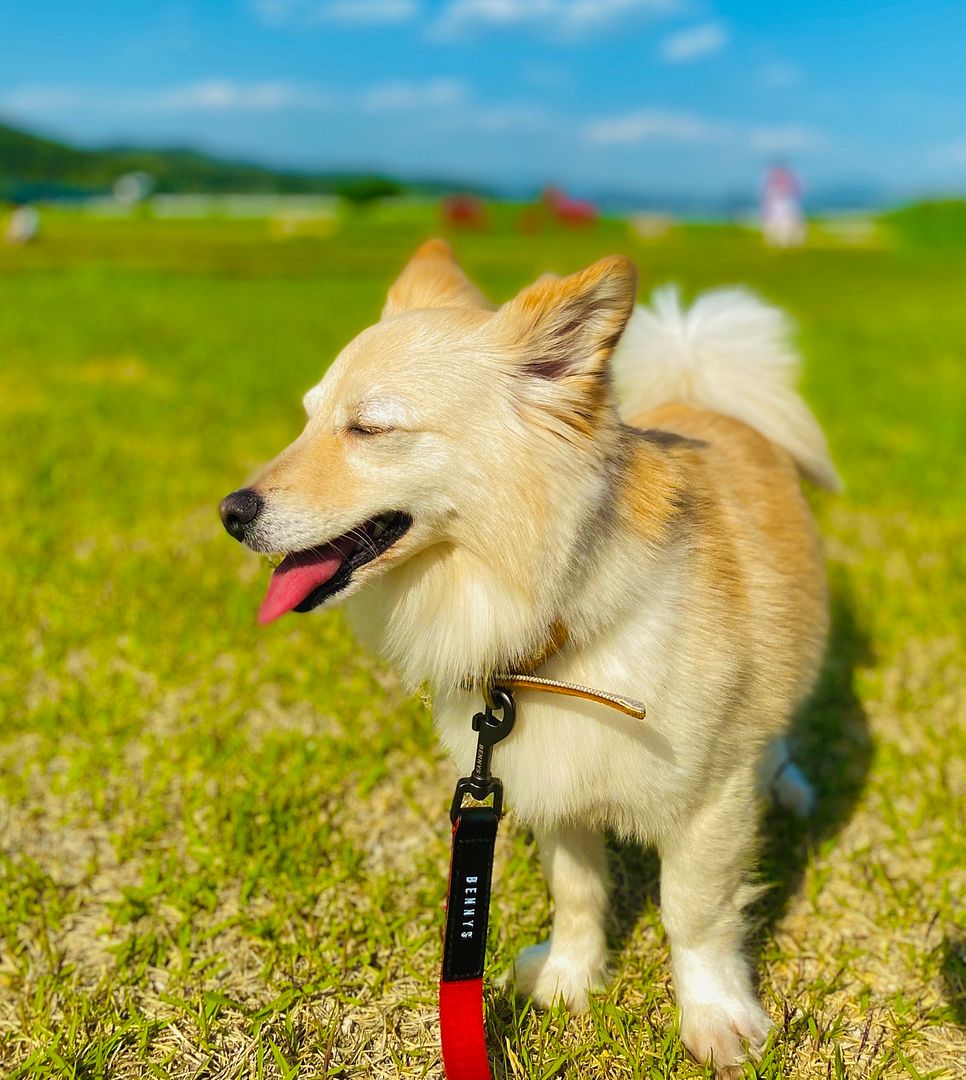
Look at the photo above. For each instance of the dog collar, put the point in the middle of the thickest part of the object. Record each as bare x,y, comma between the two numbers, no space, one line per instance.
524,678
627,705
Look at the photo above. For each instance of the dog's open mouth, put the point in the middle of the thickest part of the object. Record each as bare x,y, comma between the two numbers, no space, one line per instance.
305,579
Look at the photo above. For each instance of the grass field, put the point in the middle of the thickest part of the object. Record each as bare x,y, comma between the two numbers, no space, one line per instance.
223,848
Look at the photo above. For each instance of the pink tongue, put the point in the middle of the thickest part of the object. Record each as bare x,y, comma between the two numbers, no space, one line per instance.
298,575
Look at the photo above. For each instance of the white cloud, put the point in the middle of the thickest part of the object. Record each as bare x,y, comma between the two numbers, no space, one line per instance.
503,119
693,42
654,124
226,95
592,13
302,13
662,125
784,139
463,13
207,95
556,17
952,152
401,95
229,96
34,98
778,75
370,11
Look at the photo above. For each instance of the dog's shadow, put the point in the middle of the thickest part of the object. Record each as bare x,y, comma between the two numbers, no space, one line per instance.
831,744
831,741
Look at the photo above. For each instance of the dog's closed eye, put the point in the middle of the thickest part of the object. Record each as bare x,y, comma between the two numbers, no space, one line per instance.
377,416
364,430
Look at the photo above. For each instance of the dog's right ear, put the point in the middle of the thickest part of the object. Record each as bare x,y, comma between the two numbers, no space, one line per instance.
431,279
564,329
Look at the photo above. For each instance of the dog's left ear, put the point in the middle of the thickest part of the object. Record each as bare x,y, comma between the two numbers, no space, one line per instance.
432,279
564,329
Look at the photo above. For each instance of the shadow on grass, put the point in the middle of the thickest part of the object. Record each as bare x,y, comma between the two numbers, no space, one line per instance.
954,975
831,743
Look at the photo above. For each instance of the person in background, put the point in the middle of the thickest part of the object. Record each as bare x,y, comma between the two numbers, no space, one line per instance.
783,221
23,225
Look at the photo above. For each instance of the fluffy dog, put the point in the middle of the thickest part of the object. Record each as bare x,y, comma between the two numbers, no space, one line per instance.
468,483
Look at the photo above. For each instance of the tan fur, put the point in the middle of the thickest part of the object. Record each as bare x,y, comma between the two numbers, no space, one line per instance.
565,330
758,539
668,555
313,470
433,278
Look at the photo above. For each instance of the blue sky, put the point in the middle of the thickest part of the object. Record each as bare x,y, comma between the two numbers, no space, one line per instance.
684,96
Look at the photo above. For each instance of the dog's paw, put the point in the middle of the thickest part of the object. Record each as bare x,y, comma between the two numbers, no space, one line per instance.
725,1034
549,975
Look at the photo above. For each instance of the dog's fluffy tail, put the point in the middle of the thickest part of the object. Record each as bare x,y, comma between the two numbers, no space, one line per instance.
730,352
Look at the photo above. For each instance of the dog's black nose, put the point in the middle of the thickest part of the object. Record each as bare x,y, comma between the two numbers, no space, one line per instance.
239,509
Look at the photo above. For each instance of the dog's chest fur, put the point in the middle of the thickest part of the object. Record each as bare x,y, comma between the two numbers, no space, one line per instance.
569,759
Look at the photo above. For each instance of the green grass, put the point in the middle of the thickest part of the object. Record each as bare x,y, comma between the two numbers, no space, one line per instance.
223,848
932,225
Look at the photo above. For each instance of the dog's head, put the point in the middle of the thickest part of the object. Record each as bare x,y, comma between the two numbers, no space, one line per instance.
448,428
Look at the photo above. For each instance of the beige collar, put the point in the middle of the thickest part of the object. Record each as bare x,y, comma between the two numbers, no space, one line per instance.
525,679
628,706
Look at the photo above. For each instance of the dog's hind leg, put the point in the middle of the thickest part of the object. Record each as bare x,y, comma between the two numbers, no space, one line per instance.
780,778
703,890
574,959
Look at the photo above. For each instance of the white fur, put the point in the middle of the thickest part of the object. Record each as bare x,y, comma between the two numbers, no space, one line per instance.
720,1015
384,413
573,961
731,352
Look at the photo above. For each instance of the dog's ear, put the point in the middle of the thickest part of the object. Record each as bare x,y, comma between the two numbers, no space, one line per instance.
564,329
433,278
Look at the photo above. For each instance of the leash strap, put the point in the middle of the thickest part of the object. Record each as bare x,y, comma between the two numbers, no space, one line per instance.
461,1025
462,1031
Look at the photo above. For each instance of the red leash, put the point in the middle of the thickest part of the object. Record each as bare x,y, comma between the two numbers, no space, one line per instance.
461,1024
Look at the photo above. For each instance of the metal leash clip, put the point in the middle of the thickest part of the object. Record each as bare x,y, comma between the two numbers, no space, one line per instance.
481,784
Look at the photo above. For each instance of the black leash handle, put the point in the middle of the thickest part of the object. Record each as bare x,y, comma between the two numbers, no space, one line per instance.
490,729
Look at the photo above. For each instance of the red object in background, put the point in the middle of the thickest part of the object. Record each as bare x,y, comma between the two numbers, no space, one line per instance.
463,212
569,211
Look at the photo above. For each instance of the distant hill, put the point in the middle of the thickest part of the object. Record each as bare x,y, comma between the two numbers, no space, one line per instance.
36,167
33,167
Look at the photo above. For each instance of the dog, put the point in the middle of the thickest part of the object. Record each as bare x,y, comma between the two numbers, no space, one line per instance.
607,494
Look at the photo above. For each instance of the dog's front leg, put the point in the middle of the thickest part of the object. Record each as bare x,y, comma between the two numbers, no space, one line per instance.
703,890
574,959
